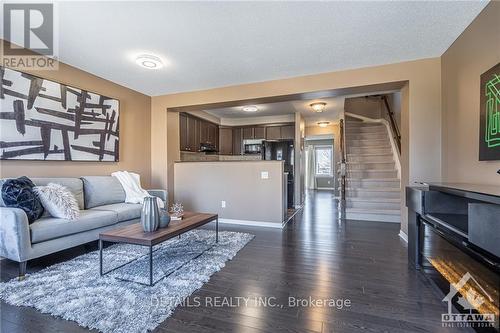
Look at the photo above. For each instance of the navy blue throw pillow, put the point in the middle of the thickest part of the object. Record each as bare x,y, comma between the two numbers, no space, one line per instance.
18,193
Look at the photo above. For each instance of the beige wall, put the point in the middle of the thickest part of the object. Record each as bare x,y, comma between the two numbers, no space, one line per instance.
374,108
423,98
367,107
405,153
473,53
201,186
135,131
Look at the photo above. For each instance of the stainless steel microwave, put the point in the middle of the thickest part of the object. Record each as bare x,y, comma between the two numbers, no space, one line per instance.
252,146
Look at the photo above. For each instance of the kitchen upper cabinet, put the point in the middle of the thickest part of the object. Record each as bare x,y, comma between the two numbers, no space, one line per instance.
259,133
212,134
237,141
203,132
193,137
194,131
247,133
273,133
288,132
225,140
183,121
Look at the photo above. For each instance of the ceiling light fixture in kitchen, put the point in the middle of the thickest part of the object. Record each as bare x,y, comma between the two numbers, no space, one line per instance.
250,108
149,61
323,123
318,106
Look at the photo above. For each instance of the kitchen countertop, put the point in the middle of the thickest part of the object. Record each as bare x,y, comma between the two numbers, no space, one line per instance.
229,161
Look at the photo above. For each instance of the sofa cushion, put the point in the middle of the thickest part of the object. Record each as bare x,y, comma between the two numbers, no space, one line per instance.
102,190
125,211
48,228
19,193
74,185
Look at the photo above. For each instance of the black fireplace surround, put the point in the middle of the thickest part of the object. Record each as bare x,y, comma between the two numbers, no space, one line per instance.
454,239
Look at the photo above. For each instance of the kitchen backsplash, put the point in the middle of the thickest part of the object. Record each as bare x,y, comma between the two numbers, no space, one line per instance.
188,156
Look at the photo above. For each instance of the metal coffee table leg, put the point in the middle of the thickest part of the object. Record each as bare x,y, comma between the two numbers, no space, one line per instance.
100,257
151,265
217,230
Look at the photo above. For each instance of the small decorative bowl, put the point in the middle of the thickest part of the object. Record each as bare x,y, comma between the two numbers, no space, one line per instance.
164,218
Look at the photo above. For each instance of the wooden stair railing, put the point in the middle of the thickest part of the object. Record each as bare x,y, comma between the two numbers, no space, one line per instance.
394,126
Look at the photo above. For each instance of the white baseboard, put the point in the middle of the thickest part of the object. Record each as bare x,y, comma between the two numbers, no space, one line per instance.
403,236
252,223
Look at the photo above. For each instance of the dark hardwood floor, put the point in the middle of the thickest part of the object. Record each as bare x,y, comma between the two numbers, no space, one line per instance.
315,256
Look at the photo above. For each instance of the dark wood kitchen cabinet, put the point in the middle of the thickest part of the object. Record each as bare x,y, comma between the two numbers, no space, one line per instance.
193,134
212,134
288,132
256,132
259,132
203,132
238,141
247,133
225,140
195,131
273,133
183,120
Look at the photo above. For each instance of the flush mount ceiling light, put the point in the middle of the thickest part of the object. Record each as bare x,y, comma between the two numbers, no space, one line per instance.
149,61
250,108
323,123
318,107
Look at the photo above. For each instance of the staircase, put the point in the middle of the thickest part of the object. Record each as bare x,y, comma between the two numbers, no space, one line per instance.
372,183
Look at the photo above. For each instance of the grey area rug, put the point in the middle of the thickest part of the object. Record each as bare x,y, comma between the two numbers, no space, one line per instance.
73,290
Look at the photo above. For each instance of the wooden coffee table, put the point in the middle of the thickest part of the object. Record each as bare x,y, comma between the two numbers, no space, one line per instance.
134,234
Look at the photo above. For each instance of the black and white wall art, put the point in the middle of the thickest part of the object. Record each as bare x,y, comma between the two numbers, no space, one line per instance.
45,120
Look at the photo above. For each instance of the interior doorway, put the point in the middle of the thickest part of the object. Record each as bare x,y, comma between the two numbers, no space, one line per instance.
319,163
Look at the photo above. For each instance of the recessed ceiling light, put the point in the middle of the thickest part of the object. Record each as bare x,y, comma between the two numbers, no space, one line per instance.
250,108
149,61
318,107
323,123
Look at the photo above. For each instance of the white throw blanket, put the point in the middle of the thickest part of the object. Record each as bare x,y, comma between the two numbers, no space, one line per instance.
131,183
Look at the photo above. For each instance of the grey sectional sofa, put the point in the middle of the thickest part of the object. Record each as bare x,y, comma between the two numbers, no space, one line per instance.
102,206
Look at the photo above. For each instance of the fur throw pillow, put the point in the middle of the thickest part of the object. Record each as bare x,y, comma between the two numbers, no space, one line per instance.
58,201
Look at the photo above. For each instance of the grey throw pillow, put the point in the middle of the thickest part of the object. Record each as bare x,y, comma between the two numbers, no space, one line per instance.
58,201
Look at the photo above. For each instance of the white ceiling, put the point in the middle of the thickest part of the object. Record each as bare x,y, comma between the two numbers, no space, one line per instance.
214,44
334,107
269,109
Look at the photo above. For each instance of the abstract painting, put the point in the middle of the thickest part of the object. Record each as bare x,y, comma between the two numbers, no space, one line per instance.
489,128
44,120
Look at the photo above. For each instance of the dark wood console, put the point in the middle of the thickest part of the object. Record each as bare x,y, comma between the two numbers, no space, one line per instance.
454,239
465,214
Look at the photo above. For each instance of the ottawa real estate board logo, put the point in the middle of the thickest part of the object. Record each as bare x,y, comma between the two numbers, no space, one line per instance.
472,298
29,30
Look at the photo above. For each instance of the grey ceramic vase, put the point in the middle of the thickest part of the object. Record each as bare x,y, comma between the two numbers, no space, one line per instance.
150,215
164,218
